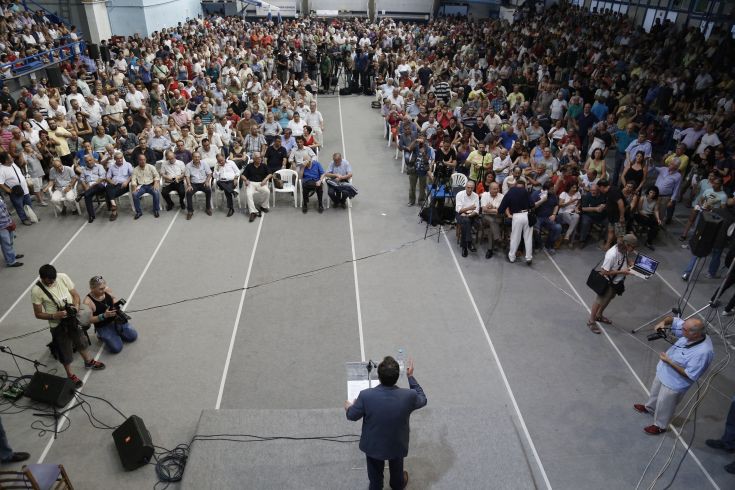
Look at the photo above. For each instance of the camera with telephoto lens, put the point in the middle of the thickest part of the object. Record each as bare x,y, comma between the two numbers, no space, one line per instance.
70,309
120,316
658,334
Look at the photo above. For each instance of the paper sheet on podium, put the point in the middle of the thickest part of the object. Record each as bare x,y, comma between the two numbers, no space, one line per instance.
358,380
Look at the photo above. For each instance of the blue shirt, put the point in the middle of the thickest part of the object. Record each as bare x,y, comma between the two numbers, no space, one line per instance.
668,182
600,110
312,173
634,147
507,140
624,139
5,219
120,174
694,360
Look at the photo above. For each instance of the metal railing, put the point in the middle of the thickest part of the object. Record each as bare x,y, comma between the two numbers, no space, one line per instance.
40,60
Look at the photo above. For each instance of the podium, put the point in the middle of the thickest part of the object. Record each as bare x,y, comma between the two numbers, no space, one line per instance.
358,378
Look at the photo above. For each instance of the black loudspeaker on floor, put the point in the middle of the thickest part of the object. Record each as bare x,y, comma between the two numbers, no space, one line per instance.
133,443
47,388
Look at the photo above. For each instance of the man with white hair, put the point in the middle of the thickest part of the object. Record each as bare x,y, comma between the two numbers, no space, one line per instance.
173,172
119,174
62,182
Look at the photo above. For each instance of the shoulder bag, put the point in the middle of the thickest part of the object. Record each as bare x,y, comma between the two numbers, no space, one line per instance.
597,282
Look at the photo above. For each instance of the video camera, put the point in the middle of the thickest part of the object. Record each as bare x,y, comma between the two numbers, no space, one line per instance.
120,316
658,334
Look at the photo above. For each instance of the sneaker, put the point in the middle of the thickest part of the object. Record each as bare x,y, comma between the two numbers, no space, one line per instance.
728,313
95,365
653,430
78,383
16,264
685,277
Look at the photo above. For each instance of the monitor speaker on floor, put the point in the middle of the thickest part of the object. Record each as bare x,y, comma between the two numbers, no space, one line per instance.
704,236
47,388
133,443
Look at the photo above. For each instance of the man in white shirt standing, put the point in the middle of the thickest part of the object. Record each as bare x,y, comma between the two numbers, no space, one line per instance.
315,120
297,125
558,107
467,206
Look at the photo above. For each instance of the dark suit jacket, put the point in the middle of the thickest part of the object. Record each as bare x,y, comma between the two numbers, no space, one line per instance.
385,412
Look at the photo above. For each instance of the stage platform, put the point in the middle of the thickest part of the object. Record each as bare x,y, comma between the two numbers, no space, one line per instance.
450,448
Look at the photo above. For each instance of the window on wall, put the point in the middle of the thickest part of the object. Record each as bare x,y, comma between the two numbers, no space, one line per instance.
661,15
706,28
578,3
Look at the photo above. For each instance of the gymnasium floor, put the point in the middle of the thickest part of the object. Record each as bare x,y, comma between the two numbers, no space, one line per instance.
501,349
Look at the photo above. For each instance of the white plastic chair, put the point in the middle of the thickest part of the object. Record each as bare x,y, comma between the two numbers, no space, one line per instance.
218,195
50,193
291,185
326,191
144,196
458,180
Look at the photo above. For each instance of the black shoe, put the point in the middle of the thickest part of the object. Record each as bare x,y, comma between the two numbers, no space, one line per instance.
183,206
718,444
16,458
529,262
169,206
63,212
304,209
156,214
730,468
16,264
252,217
411,204
230,212
79,197
137,215
91,219
263,210
472,248
321,209
19,256
489,254
464,251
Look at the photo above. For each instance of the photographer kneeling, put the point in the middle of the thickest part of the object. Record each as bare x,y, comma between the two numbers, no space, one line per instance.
55,299
110,323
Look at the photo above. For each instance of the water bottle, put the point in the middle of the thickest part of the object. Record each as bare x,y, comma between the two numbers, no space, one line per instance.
401,358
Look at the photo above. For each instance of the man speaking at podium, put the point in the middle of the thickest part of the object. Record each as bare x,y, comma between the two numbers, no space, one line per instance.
386,410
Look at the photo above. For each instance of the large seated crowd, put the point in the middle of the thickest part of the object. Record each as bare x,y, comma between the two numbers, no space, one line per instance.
217,104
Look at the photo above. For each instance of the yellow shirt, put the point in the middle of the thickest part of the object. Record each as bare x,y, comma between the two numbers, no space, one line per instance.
683,161
60,136
60,290
145,176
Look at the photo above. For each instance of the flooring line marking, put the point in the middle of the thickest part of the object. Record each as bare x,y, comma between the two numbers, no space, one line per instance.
635,375
237,317
24,293
352,244
99,351
497,362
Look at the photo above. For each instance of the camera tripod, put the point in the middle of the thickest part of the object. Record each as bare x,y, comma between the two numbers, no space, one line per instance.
437,192
709,312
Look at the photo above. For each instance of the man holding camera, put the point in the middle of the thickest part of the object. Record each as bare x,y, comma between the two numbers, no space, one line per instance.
110,323
385,411
679,368
55,299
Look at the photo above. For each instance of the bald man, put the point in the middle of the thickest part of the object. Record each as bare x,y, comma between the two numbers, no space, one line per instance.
679,368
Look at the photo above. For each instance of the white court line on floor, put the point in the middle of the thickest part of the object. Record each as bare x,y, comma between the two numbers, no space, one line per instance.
352,244
500,366
99,351
25,292
635,375
237,317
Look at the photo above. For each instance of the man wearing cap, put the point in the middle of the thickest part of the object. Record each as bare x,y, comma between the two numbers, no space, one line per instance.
615,265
